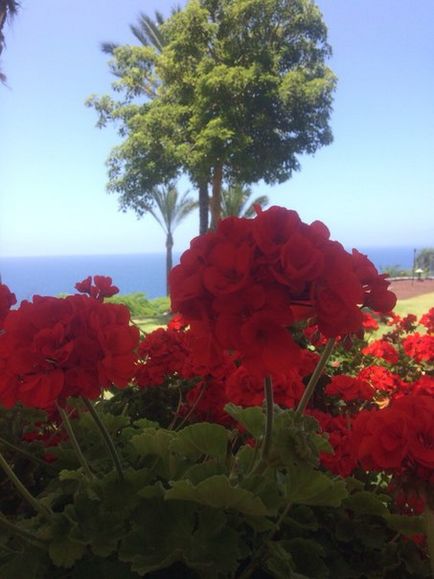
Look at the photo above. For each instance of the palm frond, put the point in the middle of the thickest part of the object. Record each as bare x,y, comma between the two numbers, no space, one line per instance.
109,47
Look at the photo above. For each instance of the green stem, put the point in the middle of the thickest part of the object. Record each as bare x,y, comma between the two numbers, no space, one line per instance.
106,437
307,394
22,533
68,427
193,407
38,507
268,394
429,527
28,455
261,465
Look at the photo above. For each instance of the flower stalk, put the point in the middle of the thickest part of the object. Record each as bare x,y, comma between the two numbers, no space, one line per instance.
106,437
73,439
310,388
22,533
269,410
428,516
37,506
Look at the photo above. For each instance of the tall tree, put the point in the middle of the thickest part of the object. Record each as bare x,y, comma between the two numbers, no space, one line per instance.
170,209
8,9
244,91
237,201
425,259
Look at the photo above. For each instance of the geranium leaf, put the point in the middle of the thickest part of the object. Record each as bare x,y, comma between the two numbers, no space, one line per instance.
217,492
64,552
407,525
252,419
366,502
309,486
202,439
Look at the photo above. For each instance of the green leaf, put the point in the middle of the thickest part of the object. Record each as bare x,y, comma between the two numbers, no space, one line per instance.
215,548
64,552
161,532
308,557
279,562
367,503
202,439
153,442
252,419
217,492
308,486
405,524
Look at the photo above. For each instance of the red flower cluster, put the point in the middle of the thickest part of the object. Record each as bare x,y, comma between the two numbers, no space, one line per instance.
370,324
380,378
349,388
427,320
399,438
54,348
163,353
419,347
100,289
382,349
7,300
338,430
241,286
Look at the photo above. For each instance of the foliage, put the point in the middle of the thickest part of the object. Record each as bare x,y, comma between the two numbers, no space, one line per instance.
396,271
425,260
8,9
237,202
170,209
267,59
140,306
199,509
149,459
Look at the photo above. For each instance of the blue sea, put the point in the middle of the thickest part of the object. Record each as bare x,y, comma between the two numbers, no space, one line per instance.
52,275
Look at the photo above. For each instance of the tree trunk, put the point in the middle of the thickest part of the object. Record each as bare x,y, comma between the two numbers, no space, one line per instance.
203,207
169,260
216,203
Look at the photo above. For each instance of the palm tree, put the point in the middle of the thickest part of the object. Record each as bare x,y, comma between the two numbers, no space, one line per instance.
147,31
170,209
8,9
236,201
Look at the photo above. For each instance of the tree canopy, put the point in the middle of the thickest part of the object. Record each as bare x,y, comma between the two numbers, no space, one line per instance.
8,9
241,91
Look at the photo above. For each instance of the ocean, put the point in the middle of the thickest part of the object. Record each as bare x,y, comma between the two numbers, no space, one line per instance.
52,275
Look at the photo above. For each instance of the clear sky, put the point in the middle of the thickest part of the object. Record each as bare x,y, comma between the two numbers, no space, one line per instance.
374,186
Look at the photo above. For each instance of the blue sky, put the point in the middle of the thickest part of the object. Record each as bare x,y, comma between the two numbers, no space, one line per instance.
374,186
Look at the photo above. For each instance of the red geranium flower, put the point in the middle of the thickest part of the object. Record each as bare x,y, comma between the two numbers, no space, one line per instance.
349,388
241,287
382,349
54,348
103,287
7,300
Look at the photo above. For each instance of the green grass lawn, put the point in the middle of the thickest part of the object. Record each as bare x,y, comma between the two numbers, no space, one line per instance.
418,306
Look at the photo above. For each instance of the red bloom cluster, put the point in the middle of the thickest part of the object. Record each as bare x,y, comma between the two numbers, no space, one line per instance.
54,348
241,286
399,438
380,378
427,320
419,347
338,430
382,349
349,388
163,353
101,288
370,324
7,300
